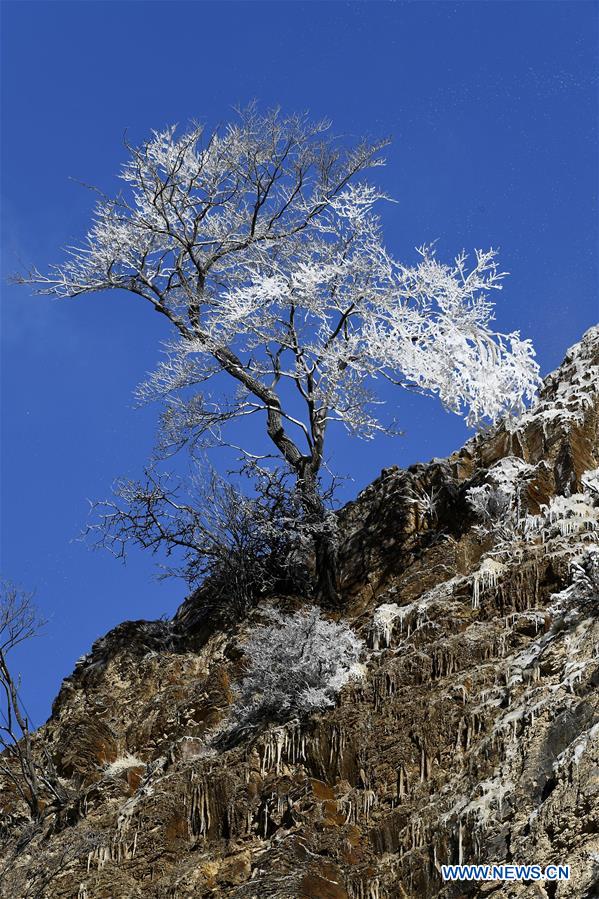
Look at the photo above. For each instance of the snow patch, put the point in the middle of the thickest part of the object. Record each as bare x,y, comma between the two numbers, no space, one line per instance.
123,764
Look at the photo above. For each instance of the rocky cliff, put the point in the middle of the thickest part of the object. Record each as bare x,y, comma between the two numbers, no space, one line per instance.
472,736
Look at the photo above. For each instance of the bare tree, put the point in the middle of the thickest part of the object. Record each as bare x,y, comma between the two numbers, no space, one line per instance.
246,545
30,769
295,665
47,863
259,243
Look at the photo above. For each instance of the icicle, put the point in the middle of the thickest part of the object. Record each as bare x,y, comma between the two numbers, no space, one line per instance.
486,577
384,622
285,740
458,739
401,790
369,800
332,744
361,890
101,856
468,736
199,814
346,807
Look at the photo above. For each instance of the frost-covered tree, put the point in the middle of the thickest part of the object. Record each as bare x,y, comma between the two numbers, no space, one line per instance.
295,665
260,244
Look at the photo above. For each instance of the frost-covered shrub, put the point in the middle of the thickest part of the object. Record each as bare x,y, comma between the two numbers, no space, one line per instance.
498,504
489,504
583,590
585,572
494,510
296,664
590,484
426,501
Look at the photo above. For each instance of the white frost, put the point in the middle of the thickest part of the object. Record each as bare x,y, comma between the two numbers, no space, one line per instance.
486,577
123,763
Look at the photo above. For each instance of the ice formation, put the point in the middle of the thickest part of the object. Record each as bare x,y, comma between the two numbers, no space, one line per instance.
486,577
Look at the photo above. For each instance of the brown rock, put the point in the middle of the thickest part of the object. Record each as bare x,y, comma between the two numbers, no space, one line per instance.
474,734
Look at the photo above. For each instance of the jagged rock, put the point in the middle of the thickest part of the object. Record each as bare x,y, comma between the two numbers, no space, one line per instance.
474,735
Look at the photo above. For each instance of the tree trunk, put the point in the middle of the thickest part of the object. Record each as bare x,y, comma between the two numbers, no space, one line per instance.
325,548
327,577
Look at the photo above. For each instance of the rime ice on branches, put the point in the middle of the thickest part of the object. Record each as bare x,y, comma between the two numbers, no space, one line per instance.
260,244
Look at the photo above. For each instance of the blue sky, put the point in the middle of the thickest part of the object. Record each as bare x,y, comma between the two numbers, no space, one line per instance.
492,108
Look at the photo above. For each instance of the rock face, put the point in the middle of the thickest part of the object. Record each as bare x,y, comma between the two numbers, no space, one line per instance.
472,737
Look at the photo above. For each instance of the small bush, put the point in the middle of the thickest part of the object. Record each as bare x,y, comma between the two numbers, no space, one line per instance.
490,504
296,664
495,510
242,546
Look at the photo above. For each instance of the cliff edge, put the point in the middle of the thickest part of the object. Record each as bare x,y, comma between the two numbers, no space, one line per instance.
473,735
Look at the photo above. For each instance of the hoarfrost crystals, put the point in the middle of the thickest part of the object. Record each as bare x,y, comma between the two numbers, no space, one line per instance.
296,664
260,243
